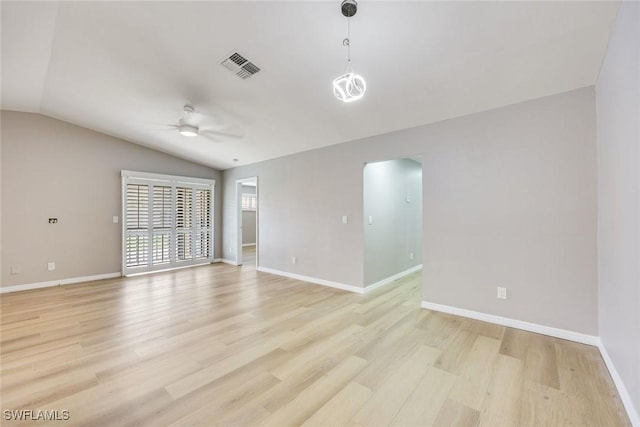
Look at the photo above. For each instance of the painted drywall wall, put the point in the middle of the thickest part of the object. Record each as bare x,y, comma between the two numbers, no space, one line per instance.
248,189
618,110
509,198
510,201
392,199
54,169
248,227
248,219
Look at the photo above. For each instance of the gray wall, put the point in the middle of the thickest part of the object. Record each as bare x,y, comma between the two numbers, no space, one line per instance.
618,103
509,200
54,169
248,227
248,189
248,219
396,229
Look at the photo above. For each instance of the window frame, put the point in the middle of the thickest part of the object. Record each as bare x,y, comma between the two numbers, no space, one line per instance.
174,181
253,200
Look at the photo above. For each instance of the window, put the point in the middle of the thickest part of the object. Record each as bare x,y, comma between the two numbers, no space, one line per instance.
167,221
249,202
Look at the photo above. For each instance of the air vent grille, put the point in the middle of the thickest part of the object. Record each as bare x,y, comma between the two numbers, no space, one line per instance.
238,59
240,66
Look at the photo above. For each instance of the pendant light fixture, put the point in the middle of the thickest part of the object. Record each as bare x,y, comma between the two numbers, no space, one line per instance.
350,86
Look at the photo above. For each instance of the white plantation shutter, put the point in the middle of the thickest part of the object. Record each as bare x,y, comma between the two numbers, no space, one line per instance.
249,202
202,223
162,224
137,225
162,218
167,221
184,223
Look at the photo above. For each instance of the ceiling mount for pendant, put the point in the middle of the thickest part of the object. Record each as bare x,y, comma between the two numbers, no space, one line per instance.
349,8
349,86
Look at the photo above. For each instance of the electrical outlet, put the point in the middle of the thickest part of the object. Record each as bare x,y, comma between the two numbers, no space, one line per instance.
294,260
345,219
502,293
15,270
51,266
115,219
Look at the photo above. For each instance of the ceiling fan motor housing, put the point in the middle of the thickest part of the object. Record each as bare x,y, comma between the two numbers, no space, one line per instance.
349,8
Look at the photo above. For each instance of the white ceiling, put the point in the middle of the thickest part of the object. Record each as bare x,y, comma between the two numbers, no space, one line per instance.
127,68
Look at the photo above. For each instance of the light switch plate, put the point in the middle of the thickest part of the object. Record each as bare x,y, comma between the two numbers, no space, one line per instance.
502,293
345,219
51,266
115,219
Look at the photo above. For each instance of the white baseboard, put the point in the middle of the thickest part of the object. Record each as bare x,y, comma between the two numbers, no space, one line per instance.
59,282
164,270
229,261
216,260
344,287
315,280
632,412
513,323
392,278
248,244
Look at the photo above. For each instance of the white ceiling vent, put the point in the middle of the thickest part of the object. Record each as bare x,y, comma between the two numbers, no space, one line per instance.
240,65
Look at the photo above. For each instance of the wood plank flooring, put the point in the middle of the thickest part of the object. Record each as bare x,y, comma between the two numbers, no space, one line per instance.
228,346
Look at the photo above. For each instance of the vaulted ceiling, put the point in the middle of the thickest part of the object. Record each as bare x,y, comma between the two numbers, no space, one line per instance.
127,68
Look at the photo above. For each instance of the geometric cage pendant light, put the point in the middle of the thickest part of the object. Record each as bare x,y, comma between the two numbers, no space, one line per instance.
349,86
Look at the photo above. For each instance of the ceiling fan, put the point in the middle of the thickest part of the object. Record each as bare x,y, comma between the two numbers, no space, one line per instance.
189,126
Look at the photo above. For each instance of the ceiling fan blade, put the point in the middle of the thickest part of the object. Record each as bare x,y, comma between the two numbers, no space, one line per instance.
220,134
211,137
161,126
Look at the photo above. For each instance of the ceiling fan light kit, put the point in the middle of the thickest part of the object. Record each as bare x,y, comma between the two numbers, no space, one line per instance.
188,130
184,126
350,86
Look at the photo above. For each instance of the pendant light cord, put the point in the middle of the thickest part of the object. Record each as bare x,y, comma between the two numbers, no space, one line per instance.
349,38
347,42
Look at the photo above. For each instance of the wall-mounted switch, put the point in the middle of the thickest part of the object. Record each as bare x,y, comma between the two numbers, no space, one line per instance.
345,219
15,270
370,220
53,220
294,260
411,255
407,199
502,293
115,219
51,266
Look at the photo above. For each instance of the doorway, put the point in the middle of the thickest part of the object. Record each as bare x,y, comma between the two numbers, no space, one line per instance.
392,208
247,220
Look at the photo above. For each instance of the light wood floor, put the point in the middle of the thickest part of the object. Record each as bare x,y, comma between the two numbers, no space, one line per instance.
249,256
221,345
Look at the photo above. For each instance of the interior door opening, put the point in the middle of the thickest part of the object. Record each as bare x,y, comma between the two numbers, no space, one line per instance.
247,232
392,208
